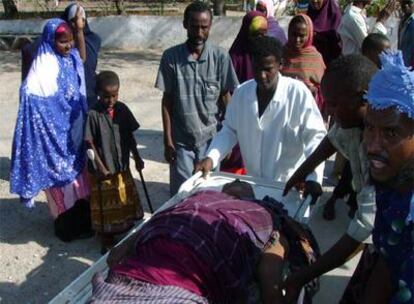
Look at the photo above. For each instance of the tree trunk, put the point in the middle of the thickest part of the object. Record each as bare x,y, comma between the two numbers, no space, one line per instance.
218,8
10,9
120,8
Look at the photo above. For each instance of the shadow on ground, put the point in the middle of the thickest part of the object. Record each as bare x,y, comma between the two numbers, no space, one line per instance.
158,194
151,145
20,226
5,163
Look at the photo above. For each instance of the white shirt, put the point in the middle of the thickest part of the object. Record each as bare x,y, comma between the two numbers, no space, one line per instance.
274,145
353,29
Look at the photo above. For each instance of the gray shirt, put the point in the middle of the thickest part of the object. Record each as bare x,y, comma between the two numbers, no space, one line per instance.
195,86
348,142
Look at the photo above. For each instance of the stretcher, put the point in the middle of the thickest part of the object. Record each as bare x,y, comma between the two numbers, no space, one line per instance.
80,290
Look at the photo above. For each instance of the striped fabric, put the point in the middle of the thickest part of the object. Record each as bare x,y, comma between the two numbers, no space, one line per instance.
122,290
61,199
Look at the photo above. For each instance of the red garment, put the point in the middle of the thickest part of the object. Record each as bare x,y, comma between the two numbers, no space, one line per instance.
155,264
111,112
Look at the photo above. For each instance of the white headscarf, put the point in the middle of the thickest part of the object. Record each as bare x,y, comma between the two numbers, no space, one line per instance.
270,7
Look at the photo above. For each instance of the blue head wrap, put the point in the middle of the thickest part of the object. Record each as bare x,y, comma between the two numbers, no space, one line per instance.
392,86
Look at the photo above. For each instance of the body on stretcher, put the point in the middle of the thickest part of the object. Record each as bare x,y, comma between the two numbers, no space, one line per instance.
80,290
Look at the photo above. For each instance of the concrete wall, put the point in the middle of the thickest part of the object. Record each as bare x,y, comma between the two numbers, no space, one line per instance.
154,32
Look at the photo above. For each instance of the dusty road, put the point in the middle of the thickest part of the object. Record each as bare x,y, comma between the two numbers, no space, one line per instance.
34,264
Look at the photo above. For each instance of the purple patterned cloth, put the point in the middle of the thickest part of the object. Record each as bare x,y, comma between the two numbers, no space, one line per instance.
119,289
226,233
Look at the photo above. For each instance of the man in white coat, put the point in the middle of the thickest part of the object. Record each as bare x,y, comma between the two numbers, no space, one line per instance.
274,119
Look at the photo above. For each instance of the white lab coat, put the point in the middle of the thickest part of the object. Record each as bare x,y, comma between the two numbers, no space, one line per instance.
274,145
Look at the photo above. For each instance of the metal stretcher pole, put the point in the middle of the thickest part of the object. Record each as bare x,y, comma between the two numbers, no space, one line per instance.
145,190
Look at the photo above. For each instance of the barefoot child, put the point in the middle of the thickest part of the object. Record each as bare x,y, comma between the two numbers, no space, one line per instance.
109,134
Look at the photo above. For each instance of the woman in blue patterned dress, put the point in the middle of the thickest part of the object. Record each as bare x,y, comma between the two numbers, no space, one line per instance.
48,152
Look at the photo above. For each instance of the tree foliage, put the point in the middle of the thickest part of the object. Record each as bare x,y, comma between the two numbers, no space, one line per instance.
10,9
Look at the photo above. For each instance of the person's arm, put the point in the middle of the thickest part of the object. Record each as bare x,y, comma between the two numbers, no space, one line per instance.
90,131
384,14
97,161
223,101
322,153
333,258
165,81
78,24
270,271
139,162
166,109
133,126
311,132
223,141
362,223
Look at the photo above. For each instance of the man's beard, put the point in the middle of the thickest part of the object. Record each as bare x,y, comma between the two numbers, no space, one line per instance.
404,179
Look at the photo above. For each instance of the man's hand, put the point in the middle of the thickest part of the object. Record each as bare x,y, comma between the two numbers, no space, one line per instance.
103,173
294,181
78,22
169,153
205,166
313,189
139,163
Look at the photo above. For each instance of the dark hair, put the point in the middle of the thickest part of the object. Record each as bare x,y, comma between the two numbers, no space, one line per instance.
264,46
106,78
354,72
196,7
295,20
373,41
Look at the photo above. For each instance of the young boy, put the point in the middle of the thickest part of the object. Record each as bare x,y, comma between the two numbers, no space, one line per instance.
110,136
372,46
343,86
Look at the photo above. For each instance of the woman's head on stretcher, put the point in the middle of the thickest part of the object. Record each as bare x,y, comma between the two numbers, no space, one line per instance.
239,189
344,85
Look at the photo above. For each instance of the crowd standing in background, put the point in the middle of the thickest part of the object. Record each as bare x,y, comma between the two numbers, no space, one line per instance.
258,110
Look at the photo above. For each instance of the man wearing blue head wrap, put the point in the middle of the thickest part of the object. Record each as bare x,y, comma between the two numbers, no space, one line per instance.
389,141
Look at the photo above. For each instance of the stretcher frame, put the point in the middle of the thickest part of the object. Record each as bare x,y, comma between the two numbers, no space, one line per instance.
80,290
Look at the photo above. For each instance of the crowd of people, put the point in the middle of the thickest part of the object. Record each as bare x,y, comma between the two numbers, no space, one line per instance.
261,109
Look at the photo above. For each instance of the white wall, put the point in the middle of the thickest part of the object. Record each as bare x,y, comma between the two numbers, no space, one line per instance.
154,32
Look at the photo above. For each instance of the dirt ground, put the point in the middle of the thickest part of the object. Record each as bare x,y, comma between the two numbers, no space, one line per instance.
34,264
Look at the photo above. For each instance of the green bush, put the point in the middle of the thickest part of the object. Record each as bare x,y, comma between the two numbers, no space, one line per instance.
372,10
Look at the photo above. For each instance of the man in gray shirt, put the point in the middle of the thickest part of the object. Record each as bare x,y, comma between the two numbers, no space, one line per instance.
196,78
